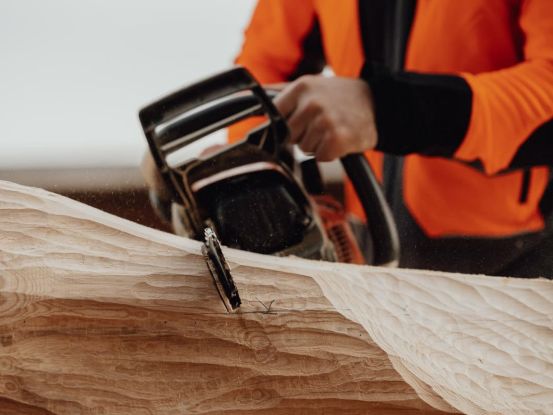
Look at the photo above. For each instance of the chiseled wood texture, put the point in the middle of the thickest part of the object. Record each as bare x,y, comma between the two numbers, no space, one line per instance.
99,315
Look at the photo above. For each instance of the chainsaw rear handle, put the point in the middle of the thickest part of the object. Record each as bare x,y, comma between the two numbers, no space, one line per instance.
379,217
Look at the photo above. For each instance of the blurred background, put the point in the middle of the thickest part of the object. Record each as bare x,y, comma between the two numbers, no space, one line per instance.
75,73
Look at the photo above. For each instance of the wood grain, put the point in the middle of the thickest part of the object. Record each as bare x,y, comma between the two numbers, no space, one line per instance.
99,315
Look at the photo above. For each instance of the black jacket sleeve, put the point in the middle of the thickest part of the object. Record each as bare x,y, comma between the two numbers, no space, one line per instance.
430,114
419,113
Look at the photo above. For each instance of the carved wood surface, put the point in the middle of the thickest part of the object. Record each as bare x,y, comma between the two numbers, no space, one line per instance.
99,315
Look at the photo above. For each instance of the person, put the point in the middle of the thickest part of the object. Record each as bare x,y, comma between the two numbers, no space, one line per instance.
452,103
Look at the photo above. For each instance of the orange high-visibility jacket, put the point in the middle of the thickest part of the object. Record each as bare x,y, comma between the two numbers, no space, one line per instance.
483,171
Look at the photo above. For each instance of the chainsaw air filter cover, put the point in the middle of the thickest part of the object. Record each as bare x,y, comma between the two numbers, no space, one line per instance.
258,212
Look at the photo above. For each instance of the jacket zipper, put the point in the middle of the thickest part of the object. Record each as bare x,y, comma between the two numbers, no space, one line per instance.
525,186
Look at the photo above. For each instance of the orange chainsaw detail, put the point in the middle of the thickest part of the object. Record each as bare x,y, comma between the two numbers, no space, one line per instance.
339,230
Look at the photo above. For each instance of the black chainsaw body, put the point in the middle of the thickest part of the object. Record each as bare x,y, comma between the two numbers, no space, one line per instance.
249,192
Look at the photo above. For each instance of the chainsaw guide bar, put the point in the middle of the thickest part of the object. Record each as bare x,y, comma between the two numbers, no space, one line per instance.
220,271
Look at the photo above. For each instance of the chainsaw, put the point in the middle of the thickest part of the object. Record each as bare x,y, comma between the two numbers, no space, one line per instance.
254,195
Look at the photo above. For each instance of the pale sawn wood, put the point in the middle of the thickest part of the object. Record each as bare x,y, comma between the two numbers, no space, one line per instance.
99,315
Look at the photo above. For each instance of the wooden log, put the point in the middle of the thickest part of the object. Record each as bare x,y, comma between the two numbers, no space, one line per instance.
99,315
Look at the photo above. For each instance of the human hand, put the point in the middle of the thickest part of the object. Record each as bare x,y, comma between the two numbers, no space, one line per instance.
329,117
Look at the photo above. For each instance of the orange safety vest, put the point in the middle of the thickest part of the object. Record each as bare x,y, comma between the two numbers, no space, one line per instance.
504,51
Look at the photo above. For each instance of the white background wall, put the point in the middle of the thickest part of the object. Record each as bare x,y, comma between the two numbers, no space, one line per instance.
73,74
